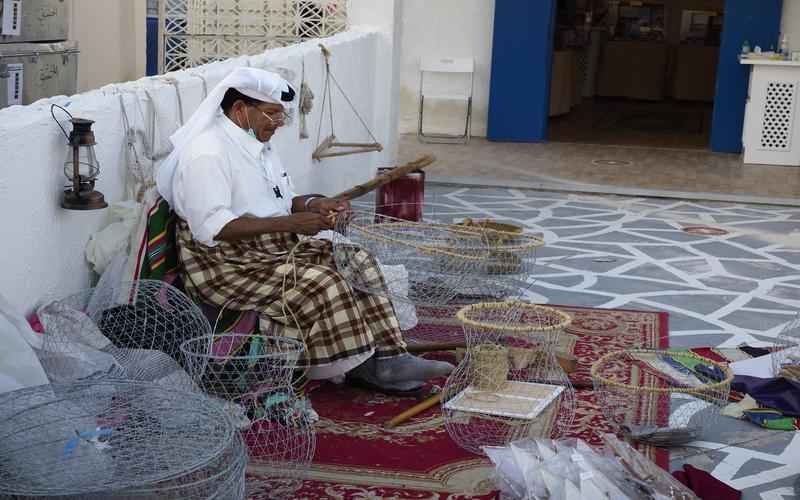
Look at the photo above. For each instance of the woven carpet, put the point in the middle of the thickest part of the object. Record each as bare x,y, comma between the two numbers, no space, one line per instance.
356,458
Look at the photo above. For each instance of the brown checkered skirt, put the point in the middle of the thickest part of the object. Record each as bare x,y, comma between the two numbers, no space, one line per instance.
335,320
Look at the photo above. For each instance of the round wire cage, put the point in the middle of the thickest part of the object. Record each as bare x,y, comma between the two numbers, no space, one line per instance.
661,397
436,259
254,374
786,355
510,385
509,265
131,331
117,439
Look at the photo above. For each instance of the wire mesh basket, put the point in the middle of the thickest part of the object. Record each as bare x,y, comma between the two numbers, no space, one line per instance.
510,385
786,355
437,258
661,397
131,331
117,439
254,374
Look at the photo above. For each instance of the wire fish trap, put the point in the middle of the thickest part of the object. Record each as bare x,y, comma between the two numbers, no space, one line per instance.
786,355
665,398
510,263
253,374
117,439
437,258
130,331
510,385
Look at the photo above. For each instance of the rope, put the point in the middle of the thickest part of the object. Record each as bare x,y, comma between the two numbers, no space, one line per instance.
306,102
203,80
325,93
151,130
491,367
136,169
559,320
179,101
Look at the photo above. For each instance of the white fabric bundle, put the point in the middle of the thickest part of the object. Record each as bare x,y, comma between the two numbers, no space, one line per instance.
19,366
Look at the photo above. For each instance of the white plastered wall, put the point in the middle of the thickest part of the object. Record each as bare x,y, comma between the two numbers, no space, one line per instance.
111,36
790,22
44,245
445,28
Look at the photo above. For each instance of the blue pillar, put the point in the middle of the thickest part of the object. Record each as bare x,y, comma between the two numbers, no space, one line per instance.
522,54
759,22
152,46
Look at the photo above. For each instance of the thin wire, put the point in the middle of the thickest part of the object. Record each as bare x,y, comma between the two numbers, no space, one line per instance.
352,107
135,170
176,85
126,124
53,114
330,96
322,112
203,80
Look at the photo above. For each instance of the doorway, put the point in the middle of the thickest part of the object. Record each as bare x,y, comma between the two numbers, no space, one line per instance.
635,72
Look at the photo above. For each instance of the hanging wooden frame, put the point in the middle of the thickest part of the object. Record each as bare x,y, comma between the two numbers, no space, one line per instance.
330,147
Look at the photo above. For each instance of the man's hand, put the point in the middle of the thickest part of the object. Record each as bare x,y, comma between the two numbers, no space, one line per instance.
309,223
327,205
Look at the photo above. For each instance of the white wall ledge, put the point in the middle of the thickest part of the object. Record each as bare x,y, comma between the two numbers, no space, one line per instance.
768,62
44,246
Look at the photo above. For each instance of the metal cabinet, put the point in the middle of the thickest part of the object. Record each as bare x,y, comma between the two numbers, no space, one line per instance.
38,70
34,20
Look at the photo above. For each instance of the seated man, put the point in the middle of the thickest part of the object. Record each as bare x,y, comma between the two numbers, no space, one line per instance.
238,239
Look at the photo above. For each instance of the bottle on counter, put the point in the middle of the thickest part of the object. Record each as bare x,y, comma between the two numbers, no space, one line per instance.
746,47
784,47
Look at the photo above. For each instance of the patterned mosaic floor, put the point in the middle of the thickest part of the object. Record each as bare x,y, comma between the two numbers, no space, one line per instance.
727,273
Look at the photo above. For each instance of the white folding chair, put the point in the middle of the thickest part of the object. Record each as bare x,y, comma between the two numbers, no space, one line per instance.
443,67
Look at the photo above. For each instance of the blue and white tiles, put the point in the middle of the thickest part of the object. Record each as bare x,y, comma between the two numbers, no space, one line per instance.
727,274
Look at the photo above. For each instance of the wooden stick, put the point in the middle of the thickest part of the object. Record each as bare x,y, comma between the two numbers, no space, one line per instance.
434,400
414,411
324,146
567,361
357,145
386,178
356,150
435,346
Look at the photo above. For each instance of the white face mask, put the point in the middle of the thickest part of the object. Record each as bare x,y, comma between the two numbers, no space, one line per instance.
250,131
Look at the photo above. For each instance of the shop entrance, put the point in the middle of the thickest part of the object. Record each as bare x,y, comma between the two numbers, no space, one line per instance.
635,73
648,94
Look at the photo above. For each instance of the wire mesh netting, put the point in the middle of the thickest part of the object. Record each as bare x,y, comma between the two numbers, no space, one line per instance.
254,374
437,261
510,385
509,265
786,358
117,439
131,331
661,397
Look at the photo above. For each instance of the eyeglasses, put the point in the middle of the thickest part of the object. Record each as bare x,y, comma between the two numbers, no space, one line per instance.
276,116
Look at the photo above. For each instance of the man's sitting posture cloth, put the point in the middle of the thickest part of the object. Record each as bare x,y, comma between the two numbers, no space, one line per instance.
240,221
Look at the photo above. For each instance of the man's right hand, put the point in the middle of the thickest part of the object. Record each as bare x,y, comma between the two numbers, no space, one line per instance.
310,223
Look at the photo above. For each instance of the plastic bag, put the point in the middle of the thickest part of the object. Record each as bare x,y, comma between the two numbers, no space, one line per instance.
115,238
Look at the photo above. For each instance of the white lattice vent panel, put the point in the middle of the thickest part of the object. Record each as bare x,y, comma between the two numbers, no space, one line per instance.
778,124
195,32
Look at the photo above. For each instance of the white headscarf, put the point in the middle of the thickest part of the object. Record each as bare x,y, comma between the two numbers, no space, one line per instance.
258,84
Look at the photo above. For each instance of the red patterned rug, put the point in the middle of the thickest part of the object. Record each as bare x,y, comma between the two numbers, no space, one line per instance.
356,458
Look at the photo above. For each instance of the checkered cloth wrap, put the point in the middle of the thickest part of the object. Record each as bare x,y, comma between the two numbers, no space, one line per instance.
336,321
